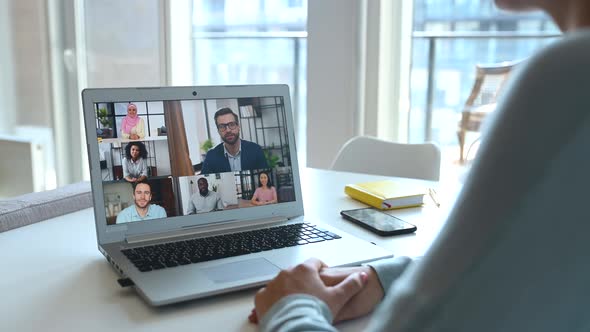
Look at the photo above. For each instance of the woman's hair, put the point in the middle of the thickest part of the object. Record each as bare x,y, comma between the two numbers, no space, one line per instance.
142,150
268,183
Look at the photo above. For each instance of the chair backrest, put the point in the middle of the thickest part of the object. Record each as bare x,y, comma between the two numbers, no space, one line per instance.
489,81
364,154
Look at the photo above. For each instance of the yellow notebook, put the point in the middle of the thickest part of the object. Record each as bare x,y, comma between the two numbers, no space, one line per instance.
387,194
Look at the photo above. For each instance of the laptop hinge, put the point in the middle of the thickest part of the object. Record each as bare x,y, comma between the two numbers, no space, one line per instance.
204,229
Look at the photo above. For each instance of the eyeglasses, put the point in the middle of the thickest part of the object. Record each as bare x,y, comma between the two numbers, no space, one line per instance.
224,126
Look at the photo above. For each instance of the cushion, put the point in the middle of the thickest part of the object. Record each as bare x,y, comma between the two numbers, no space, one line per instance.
34,207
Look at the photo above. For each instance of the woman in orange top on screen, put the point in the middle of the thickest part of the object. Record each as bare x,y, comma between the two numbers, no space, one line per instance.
266,192
132,126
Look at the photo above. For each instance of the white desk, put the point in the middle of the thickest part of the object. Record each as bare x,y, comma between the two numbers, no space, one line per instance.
67,285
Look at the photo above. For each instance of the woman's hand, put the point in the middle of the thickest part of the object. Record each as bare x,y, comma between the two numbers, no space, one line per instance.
305,279
364,301
358,305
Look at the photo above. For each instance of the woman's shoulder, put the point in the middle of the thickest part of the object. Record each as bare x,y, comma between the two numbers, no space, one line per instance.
551,82
575,40
566,57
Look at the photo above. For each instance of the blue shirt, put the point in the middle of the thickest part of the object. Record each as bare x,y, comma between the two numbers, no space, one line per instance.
235,161
130,214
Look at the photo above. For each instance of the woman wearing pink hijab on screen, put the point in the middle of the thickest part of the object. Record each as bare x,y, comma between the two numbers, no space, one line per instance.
132,126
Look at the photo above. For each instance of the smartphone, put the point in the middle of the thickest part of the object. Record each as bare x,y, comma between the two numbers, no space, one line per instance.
378,222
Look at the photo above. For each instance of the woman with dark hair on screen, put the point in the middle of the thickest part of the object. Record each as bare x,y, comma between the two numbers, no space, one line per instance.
512,255
135,162
132,126
266,192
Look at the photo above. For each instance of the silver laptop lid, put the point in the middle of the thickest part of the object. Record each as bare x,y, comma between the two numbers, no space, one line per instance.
195,171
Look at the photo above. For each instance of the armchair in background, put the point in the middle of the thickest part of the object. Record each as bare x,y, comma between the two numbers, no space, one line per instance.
489,81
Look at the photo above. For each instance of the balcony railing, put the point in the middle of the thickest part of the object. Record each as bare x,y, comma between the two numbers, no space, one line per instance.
297,37
433,40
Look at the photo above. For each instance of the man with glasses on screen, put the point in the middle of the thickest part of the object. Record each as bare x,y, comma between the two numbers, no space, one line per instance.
234,154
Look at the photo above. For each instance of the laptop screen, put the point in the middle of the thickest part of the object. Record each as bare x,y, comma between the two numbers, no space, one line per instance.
165,159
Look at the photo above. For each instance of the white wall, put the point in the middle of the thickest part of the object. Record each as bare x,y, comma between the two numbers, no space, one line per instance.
211,109
194,125
395,43
124,43
227,188
7,111
184,190
31,63
21,166
358,73
178,37
332,77
25,90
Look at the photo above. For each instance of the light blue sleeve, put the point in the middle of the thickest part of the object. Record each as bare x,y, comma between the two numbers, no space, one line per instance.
298,312
159,212
144,167
124,216
302,312
192,209
388,270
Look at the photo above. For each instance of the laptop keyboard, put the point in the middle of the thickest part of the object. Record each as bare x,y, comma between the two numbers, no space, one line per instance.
174,254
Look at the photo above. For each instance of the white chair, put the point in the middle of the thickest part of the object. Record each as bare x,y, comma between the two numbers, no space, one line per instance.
364,154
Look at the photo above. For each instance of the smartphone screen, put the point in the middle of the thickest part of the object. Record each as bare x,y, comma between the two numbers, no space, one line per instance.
378,222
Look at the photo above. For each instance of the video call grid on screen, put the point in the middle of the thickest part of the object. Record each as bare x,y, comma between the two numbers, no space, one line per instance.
167,143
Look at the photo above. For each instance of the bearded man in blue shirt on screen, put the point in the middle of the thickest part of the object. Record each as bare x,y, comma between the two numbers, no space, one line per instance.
142,208
234,154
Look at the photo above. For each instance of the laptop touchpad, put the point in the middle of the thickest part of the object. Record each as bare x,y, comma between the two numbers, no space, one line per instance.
251,268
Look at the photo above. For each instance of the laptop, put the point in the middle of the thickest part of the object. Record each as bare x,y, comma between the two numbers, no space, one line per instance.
197,190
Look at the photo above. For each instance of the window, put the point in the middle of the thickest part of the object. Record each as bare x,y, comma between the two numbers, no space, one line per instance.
252,42
450,37
225,42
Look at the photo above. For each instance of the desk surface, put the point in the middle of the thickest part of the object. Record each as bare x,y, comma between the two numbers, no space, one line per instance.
54,278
